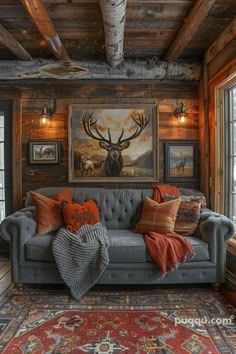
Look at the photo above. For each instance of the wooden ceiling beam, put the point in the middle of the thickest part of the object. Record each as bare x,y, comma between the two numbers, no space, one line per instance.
113,14
95,70
197,14
224,38
40,17
13,45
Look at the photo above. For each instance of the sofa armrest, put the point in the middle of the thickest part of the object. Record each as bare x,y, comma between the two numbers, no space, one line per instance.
215,229
22,223
17,229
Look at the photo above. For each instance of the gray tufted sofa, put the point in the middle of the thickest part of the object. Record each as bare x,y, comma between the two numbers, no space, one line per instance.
120,210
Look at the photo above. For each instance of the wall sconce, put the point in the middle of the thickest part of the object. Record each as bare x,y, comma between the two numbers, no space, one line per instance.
44,117
181,114
47,112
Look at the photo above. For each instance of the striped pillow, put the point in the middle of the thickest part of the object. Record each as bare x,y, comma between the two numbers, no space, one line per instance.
158,217
188,214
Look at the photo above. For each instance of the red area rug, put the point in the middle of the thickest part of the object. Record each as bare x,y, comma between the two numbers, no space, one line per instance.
113,322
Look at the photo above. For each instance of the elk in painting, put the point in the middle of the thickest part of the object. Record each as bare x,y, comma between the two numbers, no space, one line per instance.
113,164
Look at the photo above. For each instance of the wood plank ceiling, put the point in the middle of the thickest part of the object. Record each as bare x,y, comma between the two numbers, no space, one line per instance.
87,30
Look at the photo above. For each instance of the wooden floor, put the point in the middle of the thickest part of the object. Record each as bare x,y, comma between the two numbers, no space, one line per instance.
5,275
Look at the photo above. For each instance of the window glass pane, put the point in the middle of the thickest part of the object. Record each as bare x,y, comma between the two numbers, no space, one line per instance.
2,211
1,134
234,138
1,120
2,194
2,184
1,156
233,175
234,207
234,103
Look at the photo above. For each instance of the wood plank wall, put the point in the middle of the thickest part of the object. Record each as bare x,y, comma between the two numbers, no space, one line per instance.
166,95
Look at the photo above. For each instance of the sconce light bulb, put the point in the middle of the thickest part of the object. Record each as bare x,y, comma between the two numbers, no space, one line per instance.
182,118
44,120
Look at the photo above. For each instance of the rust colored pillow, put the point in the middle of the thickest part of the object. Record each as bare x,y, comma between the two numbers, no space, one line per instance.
48,210
76,215
158,217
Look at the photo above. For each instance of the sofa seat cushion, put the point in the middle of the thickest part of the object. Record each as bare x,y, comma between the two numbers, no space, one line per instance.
126,246
200,247
40,248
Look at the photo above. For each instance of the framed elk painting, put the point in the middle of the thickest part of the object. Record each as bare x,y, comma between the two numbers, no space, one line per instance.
113,143
181,161
44,152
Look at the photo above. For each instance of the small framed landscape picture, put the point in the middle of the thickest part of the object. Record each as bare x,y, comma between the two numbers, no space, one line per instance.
44,152
181,160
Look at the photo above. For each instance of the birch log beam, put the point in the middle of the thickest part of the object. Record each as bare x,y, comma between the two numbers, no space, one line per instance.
13,45
93,70
113,14
40,17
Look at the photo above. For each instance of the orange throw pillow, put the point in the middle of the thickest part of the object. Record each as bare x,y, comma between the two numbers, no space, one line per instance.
158,217
76,215
48,210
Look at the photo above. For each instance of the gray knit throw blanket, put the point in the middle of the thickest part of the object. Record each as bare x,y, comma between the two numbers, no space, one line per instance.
81,257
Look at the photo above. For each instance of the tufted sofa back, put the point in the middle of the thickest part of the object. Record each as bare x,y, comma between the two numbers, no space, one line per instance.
119,208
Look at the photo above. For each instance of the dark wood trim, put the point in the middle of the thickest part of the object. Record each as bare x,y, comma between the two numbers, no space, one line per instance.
40,17
189,28
13,45
16,154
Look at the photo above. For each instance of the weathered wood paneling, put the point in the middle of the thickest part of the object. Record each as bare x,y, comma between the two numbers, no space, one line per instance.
35,176
111,89
222,59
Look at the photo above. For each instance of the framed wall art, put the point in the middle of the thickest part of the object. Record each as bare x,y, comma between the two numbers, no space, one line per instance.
113,143
181,161
44,152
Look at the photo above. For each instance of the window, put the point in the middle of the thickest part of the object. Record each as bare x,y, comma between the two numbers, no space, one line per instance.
230,149
2,167
5,159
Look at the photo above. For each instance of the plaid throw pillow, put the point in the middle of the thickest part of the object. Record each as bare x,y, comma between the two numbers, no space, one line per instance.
188,214
158,217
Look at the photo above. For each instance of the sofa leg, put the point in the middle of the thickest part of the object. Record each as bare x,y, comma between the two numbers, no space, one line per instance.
216,286
19,286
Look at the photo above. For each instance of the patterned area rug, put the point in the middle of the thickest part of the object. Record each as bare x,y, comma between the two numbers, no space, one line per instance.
129,321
